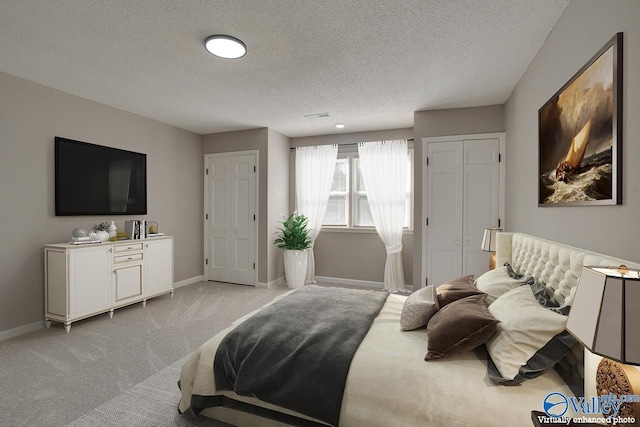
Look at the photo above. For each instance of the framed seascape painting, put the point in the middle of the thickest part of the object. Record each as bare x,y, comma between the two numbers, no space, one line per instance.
580,135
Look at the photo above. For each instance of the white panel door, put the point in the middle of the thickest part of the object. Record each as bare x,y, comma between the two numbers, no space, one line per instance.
231,218
463,198
243,209
444,211
481,201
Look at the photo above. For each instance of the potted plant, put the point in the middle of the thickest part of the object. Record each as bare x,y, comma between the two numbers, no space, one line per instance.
293,239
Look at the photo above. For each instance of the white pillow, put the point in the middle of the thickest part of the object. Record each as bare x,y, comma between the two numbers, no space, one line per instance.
525,328
418,308
496,282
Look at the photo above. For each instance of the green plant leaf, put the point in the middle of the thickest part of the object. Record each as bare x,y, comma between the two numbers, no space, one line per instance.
293,235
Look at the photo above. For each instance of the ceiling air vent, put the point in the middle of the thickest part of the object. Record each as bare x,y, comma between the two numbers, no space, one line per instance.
316,116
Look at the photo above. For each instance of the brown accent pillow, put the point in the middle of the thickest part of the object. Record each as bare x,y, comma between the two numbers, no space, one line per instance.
460,326
455,289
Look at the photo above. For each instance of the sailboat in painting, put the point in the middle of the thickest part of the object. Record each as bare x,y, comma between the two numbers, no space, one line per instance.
571,163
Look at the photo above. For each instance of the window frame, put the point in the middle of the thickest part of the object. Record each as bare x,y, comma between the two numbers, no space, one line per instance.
346,194
353,194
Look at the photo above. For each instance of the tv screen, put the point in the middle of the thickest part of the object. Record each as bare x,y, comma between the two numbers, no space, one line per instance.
96,180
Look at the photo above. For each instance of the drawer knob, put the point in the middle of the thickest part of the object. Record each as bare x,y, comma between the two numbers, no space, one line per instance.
130,258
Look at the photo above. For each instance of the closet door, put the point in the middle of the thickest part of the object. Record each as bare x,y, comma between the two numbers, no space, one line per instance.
444,211
463,198
231,218
481,201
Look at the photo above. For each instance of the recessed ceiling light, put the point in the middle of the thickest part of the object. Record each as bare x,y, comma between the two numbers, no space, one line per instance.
340,125
225,46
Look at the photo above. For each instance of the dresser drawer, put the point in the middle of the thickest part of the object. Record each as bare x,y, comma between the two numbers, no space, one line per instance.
127,258
127,248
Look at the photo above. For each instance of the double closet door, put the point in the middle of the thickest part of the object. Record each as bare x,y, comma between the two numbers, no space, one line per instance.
463,198
230,218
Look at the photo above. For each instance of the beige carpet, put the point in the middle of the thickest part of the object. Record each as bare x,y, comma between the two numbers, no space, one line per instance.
50,378
151,403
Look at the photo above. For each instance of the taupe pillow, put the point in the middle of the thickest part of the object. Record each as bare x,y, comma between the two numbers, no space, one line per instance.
460,326
418,308
455,289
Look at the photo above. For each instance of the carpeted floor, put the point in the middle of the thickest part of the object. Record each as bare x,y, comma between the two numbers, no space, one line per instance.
103,367
151,403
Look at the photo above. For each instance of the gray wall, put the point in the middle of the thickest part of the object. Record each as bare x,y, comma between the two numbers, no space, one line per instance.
353,137
278,193
458,121
582,30
358,256
273,198
31,116
353,255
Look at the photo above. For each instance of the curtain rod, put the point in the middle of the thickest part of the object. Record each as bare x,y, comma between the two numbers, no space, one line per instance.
347,144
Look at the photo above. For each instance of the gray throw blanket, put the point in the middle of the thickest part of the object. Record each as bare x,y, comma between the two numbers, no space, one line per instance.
296,353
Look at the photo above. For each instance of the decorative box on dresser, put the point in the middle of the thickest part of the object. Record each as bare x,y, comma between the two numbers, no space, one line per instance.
85,280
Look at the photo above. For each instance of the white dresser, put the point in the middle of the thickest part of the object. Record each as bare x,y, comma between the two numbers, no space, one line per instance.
85,280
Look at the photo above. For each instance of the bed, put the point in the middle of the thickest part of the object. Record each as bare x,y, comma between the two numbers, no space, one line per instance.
390,383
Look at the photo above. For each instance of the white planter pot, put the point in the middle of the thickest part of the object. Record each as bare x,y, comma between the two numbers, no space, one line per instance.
295,268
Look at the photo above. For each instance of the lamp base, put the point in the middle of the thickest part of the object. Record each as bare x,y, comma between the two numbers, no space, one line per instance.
492,261
619,379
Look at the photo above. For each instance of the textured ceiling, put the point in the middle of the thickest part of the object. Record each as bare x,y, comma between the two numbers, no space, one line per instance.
368,63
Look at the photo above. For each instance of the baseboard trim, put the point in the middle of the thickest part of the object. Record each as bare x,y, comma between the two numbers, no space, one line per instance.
21,330
189,281
280,281
355,282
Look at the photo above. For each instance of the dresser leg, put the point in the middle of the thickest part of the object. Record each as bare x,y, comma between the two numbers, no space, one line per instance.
111,313
67,326
47,323
144,303
172,293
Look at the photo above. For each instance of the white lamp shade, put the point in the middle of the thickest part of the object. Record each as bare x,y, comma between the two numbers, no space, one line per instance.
489,239
605,314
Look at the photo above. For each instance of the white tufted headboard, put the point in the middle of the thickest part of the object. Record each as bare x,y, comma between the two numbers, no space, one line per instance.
558,266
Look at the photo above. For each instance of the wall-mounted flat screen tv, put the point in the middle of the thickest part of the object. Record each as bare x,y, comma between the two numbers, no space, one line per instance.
96,180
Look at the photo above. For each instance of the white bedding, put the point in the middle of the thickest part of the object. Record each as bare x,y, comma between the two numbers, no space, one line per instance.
390,384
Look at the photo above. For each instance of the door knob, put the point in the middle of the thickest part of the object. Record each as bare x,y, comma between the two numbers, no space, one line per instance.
457,241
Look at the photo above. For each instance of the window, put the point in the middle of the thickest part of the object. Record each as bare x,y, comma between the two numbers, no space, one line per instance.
348,205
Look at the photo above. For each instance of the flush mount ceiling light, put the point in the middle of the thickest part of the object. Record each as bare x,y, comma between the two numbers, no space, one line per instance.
225,46
340,125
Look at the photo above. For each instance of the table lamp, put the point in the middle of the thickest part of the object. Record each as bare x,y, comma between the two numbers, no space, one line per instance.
605,317
489,244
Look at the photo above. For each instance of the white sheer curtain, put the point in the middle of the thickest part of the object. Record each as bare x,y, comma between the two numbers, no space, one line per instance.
384,171
314,174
